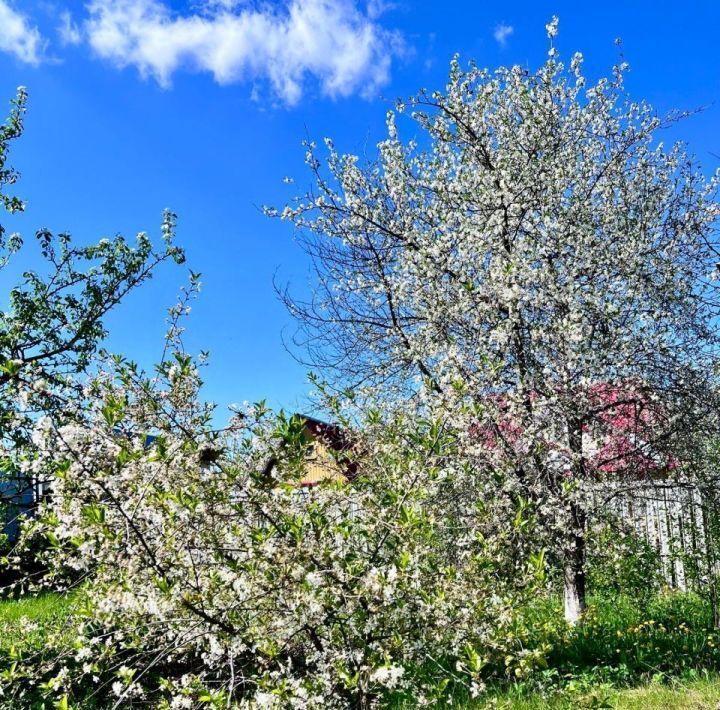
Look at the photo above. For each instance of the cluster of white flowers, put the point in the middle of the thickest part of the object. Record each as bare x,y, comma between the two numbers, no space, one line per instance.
262,593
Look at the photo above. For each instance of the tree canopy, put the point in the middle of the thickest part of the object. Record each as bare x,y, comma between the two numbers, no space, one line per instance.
53,325
533,241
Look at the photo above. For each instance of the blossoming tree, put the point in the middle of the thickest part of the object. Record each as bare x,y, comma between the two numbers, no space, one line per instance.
53,323
532,244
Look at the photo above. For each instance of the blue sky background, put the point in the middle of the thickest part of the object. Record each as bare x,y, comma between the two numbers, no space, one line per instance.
107,148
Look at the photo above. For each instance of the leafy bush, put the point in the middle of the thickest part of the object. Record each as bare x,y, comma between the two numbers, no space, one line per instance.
621,562
212,577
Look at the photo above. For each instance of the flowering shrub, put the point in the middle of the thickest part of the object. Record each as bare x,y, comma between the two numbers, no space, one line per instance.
209,577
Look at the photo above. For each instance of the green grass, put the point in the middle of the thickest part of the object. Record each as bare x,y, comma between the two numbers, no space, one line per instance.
631,651
622,639
24,622
659,651
697,694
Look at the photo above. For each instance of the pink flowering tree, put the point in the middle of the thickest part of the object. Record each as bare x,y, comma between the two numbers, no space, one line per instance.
532,250
622,437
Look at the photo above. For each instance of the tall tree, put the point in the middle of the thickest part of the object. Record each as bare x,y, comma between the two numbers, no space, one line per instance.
535,263
54,321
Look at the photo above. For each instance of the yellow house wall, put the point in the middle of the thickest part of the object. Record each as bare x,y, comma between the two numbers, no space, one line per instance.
321,465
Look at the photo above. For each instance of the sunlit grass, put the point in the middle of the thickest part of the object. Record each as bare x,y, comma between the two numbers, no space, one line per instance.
698,694
25,622
586,670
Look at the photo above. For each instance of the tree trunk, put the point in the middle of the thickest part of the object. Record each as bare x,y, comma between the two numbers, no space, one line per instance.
574,572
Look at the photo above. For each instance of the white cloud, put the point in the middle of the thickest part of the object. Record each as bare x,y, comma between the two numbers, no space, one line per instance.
68,30
332,41
376,8
18,36
501,33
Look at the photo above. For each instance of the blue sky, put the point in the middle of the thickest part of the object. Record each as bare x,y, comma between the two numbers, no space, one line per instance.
201,106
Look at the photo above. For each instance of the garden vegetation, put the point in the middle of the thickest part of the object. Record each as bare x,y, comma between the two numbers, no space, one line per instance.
514,317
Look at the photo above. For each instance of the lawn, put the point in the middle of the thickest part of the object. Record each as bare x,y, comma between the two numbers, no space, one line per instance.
24,622
697,694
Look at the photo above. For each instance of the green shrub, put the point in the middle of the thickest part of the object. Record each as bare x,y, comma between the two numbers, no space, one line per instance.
621,562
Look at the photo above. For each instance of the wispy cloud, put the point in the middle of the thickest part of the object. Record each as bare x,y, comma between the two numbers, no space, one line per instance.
333,42
502,32
376,8
18,36
68,30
